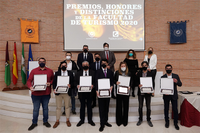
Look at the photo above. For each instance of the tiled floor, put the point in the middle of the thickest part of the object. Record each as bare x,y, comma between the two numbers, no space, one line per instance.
16,125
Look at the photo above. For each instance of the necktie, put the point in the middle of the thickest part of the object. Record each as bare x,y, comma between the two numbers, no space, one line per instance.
107,55
105,73
85,57
85,73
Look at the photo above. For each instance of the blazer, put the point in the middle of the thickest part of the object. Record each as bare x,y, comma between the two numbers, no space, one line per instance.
152,62
71,81
100,75
77,81
139,74
74,66
93,66
179,83
111,60
80,59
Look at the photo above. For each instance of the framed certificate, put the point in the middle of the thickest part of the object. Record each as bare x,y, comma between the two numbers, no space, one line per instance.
147,86
167,86
104,88
62,84
40,81
85,84
122,88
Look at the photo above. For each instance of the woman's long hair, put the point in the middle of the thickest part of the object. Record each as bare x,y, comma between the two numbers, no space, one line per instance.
120,71
134,54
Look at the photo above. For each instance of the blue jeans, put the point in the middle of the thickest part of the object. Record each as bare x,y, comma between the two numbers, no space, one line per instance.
73,103
44,100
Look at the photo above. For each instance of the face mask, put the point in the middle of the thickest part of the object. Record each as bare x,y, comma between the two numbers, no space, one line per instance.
68,57
168,71
63,68
42,65
97,59
85,67
106,48
130,54
103,65
85,50
123,69
150,52
144,68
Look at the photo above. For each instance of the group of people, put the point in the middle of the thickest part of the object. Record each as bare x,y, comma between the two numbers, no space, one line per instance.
102,67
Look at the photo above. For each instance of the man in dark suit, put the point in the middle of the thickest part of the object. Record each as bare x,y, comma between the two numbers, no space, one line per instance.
62,71
109,55
103,72
95,66
173,98
84,56
142,96
83,96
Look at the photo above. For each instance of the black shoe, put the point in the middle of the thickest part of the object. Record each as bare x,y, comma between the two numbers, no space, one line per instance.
63,113
167,124
73,112
47,124
79,123
108,124
133,95
32,127
176,126
91,123
125,124
139,123
94,105
101,128
150,123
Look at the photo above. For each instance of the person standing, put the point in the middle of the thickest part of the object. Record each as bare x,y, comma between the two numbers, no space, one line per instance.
40,97
132,64
85,96
142,96
62,71
122,101
173,98
103,103
84,56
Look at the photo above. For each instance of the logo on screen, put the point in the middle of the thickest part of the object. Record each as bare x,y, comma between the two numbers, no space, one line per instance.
115,34
91,34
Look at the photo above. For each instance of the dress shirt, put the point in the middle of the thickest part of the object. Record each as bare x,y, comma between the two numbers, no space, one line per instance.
85,72
69,65
64,73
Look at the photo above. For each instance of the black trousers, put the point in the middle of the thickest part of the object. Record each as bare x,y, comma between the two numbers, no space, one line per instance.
83,98
174,108
154,71
103,110
94,95
148,106
122,107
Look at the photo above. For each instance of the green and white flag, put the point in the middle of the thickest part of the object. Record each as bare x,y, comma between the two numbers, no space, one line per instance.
23,71
7,67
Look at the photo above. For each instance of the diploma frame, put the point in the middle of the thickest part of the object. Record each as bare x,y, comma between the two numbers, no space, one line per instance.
83,90
43,87
85,86
57,89
122,93
39,83
164,90
143,88
104,96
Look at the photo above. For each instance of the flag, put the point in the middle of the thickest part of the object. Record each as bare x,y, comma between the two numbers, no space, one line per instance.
178,32
15,65
29,31
7,67
23,71
30,58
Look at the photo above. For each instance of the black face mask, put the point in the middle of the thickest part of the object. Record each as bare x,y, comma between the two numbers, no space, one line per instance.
97,59
103,65
150,52
63,68
85,50
42,65
168,71
144,68
85,67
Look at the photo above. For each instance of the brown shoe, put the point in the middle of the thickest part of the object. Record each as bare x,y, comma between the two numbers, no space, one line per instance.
68,123
56,124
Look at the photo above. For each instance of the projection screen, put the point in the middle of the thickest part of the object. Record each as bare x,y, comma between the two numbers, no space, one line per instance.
120,23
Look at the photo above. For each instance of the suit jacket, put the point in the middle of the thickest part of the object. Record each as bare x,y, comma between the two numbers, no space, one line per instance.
139,74
71,81
80,59
93,66
77,80
100,75
74,66
111,60
179,83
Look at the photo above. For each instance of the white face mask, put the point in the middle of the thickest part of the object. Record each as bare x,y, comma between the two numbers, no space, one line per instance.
106,48
123,69
68,57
